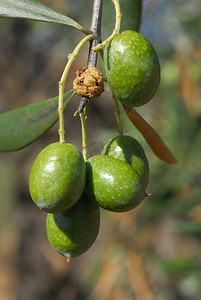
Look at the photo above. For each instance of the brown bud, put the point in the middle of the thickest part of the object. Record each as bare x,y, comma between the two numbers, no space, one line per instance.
88,82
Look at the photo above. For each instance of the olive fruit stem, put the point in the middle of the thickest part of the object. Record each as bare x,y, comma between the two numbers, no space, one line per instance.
116,29
83,118
117,114
71,57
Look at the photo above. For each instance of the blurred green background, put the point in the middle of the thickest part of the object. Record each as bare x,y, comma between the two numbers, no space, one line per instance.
151,253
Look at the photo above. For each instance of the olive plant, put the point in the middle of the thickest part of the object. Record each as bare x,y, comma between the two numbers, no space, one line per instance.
64,182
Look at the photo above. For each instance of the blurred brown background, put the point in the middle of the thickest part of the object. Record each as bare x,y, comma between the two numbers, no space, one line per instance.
151,253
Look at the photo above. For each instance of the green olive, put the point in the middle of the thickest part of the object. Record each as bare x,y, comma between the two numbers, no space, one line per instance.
128,149
57,177
72,232
113,184
132,68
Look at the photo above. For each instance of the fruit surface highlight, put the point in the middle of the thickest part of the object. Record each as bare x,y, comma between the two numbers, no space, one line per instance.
72,232
132,68
57,177
128,149
113,183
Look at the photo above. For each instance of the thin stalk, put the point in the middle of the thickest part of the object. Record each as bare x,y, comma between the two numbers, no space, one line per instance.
117,114
116,29
71,57
83,118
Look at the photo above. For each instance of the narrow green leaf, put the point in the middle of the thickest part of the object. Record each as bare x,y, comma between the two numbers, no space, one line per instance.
34,10
20,127
131,11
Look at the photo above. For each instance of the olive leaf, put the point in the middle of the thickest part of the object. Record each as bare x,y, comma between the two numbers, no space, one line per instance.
151,136
131,11
20,127
34,10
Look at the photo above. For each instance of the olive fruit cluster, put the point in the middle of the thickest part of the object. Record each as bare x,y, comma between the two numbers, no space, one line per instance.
132,68
72,191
